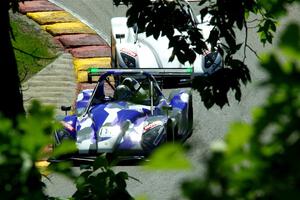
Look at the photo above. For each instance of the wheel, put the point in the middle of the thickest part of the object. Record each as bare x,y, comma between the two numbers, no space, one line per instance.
190,113
190,117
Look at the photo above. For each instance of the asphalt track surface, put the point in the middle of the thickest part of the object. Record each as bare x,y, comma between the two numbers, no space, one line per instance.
209,125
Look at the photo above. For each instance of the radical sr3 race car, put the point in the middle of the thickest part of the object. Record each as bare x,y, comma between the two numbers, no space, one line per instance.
127,114
131,49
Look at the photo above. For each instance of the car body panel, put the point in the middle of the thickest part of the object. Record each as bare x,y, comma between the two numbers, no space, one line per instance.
113,125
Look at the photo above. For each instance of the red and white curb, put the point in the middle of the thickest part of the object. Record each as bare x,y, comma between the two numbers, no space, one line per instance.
86,46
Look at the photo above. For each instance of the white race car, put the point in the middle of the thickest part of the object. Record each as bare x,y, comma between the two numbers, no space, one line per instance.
131,49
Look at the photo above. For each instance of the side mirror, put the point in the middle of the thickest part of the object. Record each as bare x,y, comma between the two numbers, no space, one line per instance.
120,36
66,109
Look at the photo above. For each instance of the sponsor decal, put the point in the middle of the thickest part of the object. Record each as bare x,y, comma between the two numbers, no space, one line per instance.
152,125
129,52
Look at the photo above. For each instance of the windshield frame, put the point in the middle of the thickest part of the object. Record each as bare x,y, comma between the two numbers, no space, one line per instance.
98,91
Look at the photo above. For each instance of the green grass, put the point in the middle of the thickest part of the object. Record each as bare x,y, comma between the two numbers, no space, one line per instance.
34,48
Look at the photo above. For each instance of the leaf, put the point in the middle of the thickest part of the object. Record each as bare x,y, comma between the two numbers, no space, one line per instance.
203,13
149,29
238,94
289,43
191,57
142,197
218,146
273,26
120,179
100,162
213,36
172,57
168,157
124,175
238,135
67,147
156,33
240,22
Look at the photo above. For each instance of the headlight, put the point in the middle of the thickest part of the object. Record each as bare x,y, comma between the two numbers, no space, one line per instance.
152,125
212,62
128,60
152,138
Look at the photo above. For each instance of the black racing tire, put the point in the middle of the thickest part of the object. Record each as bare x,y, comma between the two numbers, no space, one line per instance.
190,118
190,114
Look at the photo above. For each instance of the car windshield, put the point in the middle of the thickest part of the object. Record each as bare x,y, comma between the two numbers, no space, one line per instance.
127,87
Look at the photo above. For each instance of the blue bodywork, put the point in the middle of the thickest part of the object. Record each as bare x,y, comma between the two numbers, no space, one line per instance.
104,124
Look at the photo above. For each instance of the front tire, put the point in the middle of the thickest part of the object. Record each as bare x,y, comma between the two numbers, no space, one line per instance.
190,118
190,114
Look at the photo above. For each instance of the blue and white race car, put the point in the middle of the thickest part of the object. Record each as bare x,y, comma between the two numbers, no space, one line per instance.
127,114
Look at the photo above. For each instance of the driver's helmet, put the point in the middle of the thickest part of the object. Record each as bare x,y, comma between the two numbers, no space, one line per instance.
131,83
139,95
212,63
123,93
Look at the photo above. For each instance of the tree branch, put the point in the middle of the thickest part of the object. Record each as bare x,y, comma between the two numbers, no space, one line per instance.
253,51
246,41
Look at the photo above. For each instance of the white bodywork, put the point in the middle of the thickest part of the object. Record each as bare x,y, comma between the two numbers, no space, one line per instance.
149,52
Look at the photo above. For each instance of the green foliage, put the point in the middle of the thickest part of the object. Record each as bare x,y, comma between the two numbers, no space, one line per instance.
20,148
291,47
28,141
162,18
213,89
101,183
168,157
228,18
258,160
